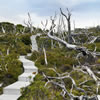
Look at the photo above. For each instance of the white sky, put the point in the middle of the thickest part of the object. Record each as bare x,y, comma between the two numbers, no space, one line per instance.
84,12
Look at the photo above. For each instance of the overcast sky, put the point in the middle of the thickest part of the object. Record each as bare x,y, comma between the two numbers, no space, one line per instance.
86,13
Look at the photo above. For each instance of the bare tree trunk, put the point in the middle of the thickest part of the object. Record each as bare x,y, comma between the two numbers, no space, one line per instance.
3,30
69,31
45,56
83,49
52,45
29,23
8,51
68,17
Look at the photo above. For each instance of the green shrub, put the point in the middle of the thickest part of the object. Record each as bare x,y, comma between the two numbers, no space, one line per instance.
43,41
23,49
26,39
65,67
56,58
10,69
35,55
92,46
37,91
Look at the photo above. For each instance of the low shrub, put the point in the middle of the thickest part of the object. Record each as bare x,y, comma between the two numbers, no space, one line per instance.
11,68
35,55
26,39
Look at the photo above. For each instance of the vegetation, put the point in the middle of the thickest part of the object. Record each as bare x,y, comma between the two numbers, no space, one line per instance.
61,61
12,45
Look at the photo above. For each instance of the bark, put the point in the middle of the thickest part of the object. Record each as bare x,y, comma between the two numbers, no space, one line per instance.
8,51
62,85
68,17
45,56
3,30
29,23
44,25
70,46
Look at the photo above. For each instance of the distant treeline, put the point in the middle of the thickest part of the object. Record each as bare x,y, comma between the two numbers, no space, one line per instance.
7,27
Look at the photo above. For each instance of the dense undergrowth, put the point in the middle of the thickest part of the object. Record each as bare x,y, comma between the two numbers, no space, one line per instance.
13,44
11,47
62,60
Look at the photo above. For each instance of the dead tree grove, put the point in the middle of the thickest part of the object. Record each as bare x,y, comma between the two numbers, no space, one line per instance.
82,51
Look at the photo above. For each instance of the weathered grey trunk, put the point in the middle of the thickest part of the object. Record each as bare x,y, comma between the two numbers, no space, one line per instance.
69,31
68,17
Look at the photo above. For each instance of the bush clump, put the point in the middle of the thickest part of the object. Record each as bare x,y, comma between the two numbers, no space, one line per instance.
26,39
11,68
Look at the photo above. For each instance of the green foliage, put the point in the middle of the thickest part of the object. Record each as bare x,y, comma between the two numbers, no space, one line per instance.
43,41
56,58
19,28
38,30
17,44
26,39
92,46
98,61
62,60
8,27
37,91
48,72
35,55
79,76
10,69
23,49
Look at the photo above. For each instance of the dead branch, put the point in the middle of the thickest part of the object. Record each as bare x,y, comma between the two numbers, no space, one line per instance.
44,25
68,17
29,23
45,56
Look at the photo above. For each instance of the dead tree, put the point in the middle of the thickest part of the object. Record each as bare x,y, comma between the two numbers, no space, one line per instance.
53,19
86,53
81,49
83,68
44,25
68,17
29,23
67,75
